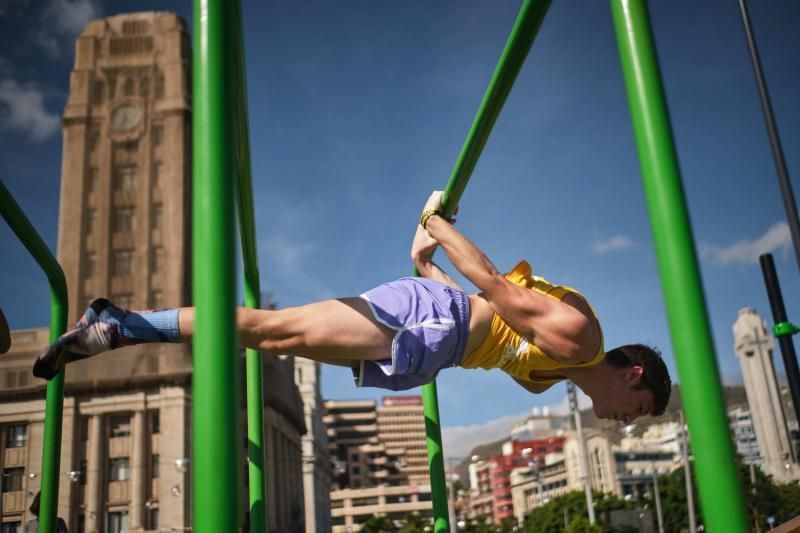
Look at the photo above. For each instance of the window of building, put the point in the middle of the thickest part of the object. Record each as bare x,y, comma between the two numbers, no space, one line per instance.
12,479
16,435
159,89
118,469
356,470
155,469
128,89
11,527
91,264
94,138
158,134
144,87
158,215
156,299
123,300
158,259
158,170
91,179
82,470
117,522
123,262
155,422
125,219
91,220
125,178
81,526
97,92
119,425
153,519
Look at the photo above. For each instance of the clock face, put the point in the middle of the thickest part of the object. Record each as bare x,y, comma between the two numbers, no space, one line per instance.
125,117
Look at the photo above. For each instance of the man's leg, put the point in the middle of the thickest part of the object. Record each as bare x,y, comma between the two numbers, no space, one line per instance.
328,331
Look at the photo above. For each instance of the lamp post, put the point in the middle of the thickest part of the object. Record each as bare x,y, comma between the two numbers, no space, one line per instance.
451,476
687,473
658,498
584,453
533,464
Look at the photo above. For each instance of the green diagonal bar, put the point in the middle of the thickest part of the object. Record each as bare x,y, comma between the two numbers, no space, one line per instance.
516,50
54,404
252,288
216,426
719,487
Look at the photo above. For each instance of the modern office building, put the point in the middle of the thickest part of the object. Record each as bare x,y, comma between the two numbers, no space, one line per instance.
401,424
753,345
124,232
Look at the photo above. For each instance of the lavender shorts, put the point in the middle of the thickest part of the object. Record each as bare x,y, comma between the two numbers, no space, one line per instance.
432,323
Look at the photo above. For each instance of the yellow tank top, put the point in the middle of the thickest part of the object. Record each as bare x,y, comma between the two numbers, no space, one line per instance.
506,349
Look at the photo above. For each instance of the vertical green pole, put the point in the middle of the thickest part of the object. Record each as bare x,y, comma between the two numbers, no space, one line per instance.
215,382
252,287
54,403
519,42
719,487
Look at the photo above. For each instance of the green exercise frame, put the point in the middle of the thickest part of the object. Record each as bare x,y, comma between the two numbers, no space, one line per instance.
54,403
222,179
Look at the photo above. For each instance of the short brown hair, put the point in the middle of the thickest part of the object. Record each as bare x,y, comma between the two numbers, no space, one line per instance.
655,377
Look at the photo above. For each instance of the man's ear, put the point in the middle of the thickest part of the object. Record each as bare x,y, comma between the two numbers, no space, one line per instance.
633,375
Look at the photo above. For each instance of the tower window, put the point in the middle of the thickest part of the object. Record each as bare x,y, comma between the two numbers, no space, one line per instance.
158,134
123,300
125,177
158,215
158,259
128,90
159,85
120,425
97,92
125,219
144,87
91,221
123,262
156,299
91,263
158,168
94,138
91,180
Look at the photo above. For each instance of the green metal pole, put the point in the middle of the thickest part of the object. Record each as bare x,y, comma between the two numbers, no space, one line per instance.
54,403
719,487
252,288
216,380
519,42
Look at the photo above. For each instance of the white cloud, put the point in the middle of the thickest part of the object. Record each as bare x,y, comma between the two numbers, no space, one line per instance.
70,17
458,441
562,408
613,244
22,109
777,238
63,19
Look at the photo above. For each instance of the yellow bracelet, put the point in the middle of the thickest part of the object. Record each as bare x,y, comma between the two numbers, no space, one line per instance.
423,220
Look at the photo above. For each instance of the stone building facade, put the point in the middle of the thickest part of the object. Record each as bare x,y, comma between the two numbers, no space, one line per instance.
125,232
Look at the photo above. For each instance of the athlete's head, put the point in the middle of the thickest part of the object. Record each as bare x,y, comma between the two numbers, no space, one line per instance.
640,384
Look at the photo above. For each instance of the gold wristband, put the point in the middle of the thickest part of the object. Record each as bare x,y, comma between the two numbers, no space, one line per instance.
423,220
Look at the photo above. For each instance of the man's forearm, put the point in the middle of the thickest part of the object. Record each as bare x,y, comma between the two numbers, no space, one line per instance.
429,269
465,256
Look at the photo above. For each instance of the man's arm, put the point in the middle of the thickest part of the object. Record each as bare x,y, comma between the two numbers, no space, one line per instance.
561,330
421,250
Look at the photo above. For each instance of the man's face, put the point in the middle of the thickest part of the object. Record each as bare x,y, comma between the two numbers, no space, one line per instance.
622,400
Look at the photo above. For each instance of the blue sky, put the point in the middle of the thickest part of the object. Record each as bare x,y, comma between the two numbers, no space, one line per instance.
359,109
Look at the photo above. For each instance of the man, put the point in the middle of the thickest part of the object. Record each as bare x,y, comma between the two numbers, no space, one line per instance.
401,334
33,525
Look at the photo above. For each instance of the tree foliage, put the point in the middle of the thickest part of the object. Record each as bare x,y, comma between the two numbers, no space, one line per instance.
571,507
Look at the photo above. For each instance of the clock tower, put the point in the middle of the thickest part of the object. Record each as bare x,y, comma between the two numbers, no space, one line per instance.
125,187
